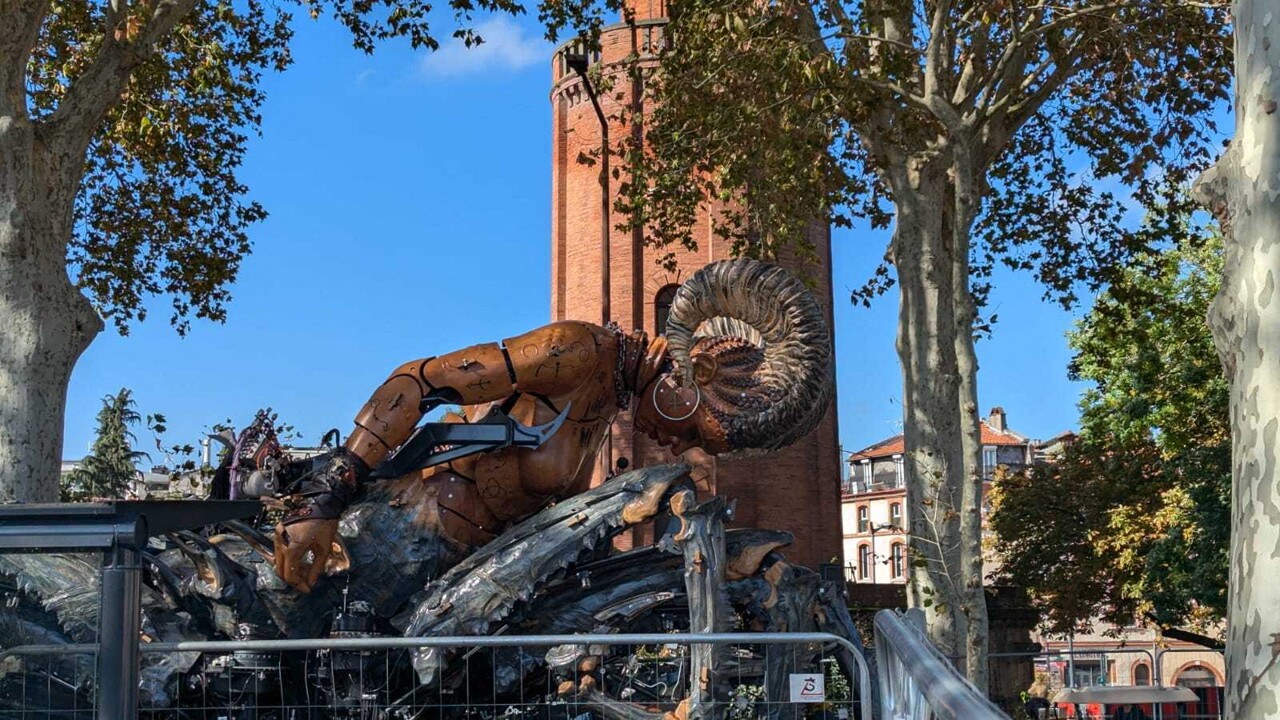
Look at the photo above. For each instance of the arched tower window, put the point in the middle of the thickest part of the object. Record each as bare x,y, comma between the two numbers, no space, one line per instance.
864,561
662,308
1142,674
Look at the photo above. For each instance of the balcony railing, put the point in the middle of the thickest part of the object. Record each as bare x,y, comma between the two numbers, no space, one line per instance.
858,487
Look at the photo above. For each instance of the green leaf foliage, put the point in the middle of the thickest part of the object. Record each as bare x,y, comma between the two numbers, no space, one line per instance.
799,111
161,209
1135,517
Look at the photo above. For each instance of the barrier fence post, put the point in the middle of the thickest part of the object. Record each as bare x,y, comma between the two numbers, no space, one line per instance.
118,625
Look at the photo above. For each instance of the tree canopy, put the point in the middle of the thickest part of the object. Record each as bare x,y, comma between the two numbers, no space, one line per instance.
1072,111
169,94
1134,517
123,126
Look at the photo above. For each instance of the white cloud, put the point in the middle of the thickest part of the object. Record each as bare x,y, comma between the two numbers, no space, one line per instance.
506,47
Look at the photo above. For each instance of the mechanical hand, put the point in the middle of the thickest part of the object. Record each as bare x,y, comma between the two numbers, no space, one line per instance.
307,538
302,550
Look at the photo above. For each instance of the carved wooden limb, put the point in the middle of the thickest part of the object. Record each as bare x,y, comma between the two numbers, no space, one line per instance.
701,541
791,607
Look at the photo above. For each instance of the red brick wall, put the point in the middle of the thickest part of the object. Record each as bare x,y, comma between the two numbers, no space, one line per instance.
795,490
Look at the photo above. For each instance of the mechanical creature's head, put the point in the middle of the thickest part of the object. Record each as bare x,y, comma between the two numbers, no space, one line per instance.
749,365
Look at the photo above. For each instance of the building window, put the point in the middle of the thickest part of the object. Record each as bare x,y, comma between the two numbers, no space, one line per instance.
988,459
863,522
864,472
895,515
1142,674
898,560
900,471
1196,677
864,561
1088,672
662,307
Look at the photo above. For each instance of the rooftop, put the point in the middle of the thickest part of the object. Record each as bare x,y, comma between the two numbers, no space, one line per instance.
994,432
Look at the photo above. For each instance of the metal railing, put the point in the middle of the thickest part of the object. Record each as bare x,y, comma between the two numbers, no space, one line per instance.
917,682
757,672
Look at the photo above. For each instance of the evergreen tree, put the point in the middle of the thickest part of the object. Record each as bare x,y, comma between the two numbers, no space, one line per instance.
109,470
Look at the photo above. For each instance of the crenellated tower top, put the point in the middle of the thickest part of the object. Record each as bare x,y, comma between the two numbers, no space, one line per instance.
648,9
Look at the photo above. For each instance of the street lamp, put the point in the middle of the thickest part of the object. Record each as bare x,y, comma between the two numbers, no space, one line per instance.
874,528
576,59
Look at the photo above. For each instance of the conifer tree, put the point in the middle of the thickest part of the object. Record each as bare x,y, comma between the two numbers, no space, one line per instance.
109,470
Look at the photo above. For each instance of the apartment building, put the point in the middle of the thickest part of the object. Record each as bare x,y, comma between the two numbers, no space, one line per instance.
873,498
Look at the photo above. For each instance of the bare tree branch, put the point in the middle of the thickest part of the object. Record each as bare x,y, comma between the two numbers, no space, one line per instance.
913,99
92,94
1030,31
1035,99
1008,64
20,22
974,64
937,46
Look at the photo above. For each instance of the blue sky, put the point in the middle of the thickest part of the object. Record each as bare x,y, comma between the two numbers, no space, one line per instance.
409,196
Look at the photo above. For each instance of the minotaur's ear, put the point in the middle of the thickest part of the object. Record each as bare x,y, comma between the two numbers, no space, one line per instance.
704,368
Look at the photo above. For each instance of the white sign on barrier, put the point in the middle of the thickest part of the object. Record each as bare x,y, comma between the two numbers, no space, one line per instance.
808,688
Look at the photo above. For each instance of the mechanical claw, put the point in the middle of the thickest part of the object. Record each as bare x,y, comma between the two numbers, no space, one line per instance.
436,443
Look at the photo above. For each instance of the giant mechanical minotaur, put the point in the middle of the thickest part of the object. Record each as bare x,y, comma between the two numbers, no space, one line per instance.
485,523
746,364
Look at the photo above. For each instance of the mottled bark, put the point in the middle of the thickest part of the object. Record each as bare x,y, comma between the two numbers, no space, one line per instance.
1243,190
973,604
934,457
936,195
934,180
47,322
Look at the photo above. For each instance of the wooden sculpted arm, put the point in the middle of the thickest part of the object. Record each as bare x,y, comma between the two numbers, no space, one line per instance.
552,360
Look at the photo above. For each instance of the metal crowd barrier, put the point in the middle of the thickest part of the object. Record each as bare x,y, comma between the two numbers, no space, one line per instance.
243,675
1208,710
917,682
119,531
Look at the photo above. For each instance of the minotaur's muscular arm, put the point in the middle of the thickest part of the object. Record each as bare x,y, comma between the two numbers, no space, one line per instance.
552,360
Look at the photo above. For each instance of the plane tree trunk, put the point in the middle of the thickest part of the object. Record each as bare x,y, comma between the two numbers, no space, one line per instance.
49,323
934,454
963,202
936,195
1243,190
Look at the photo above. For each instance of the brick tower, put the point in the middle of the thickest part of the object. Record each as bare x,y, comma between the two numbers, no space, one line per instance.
796,489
